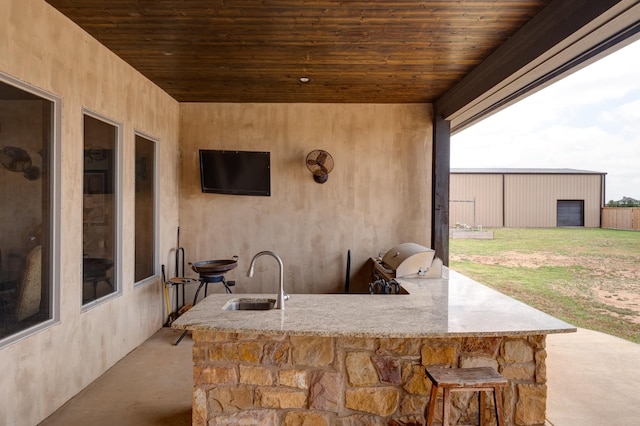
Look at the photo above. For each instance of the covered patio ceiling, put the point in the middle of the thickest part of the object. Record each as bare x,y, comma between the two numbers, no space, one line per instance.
469,58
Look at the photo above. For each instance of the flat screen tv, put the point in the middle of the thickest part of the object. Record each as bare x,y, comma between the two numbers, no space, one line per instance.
235,172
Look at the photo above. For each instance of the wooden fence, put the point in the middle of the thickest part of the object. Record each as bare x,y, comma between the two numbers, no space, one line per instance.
621,218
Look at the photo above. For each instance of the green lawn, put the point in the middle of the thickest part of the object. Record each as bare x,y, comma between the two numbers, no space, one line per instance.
587,277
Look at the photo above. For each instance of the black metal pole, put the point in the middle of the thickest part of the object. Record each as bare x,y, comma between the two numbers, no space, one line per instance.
348,277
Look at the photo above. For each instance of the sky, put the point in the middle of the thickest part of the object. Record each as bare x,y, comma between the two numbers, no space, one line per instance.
589,120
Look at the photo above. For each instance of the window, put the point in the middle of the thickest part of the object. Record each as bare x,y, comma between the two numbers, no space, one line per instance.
100,207
145,235
28,206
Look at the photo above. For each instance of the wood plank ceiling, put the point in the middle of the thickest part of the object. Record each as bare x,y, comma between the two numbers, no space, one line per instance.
256,50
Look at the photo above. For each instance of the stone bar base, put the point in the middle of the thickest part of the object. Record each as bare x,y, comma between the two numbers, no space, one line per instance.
259,379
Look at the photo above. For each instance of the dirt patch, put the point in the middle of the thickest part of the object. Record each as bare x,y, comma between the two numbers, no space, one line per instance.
515,259
626,300
614,283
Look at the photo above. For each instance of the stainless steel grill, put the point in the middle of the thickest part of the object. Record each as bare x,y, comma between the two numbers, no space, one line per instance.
407,260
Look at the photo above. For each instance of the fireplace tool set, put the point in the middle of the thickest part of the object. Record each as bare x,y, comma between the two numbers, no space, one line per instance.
209,271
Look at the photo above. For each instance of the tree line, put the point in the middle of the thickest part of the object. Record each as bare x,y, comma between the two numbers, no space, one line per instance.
629,202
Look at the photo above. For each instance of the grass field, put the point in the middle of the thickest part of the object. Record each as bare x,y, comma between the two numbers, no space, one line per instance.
587,277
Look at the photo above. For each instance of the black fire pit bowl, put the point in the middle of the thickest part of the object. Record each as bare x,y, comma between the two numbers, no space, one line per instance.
214,267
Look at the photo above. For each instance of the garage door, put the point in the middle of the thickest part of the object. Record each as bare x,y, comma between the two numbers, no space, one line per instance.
570,213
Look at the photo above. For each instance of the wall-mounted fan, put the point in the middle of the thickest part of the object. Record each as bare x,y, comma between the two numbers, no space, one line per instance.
18,160
320,163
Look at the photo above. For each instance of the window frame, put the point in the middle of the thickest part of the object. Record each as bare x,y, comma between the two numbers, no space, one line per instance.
117,191
55,194
156,187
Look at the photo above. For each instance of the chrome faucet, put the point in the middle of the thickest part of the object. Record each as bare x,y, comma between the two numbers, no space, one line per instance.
282,296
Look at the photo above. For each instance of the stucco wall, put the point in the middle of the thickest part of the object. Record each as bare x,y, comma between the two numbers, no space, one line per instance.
378,195
42,48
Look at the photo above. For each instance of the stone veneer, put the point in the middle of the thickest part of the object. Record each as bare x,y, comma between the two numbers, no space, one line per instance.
259,379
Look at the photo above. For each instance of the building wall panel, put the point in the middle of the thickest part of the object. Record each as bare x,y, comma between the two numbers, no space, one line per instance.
519,200
531,200
476,199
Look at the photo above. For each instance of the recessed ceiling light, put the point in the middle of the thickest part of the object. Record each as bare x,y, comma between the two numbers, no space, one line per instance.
304,79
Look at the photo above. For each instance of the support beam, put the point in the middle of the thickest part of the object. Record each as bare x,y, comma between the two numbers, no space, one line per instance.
563,37
440,190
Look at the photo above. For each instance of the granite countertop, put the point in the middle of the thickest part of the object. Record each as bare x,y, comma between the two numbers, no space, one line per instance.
435,307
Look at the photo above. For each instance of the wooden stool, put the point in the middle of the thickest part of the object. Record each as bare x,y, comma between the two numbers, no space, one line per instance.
479,380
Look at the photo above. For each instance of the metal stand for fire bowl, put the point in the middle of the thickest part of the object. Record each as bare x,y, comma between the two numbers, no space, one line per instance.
211,271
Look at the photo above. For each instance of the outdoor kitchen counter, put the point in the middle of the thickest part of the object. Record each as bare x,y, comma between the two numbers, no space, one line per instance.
360,359
440,307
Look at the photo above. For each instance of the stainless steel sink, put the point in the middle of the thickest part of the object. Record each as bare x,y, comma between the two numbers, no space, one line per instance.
249,304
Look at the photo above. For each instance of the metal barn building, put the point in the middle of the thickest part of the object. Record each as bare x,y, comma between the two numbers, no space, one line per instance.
526,198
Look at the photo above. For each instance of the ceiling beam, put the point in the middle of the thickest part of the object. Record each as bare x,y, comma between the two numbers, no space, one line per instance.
555,38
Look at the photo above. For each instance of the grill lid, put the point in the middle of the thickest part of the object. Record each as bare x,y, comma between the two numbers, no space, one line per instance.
408,259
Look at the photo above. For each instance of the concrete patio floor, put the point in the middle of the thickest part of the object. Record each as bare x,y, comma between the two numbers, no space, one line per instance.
152,385
593,379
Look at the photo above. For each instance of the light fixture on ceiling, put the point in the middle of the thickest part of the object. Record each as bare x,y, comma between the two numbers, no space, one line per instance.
304,79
